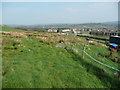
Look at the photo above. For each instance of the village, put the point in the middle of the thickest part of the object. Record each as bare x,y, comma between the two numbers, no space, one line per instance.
77,31
113,34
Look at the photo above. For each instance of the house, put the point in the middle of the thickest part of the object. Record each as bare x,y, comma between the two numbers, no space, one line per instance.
66,30
52,30
90,40
76,32
114,43
115,39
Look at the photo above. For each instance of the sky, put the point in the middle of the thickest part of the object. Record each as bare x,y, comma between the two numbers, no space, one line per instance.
60,0
29,13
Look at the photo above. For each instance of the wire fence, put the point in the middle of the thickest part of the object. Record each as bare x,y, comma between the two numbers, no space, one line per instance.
99,61
83,50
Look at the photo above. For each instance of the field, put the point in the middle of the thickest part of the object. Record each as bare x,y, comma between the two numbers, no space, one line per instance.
50,60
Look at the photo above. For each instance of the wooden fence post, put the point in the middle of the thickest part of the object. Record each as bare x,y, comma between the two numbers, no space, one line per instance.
83,50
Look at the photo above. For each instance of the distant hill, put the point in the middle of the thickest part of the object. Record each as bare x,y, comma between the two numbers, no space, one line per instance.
108,25
4,28
112,22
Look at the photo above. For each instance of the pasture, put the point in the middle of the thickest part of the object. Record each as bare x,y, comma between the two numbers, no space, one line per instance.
33,60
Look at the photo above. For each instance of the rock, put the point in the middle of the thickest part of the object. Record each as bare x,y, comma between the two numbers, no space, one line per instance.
62,45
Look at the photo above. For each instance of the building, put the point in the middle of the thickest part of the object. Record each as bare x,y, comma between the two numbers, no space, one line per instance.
114,43
66,30
115,39
52,30
76,32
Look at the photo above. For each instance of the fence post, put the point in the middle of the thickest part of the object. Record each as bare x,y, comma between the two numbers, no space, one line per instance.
83,50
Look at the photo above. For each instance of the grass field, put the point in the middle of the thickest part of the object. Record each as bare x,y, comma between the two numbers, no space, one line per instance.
33,60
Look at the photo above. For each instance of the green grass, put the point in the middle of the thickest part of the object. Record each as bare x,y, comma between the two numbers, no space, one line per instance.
85,32
37,64
9,29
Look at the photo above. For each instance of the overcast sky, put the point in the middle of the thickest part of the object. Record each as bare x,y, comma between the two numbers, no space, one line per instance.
28,13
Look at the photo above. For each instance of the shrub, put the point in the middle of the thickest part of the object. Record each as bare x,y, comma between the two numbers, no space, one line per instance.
105,54
16,42
42,30
5,42
115,58
112,57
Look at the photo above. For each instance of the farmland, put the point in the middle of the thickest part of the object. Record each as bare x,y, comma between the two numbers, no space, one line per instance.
50,60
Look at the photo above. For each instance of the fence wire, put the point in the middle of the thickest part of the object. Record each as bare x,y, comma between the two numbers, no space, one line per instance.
100,62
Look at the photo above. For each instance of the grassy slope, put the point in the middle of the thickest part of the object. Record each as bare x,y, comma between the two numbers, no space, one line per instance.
38,64
45,67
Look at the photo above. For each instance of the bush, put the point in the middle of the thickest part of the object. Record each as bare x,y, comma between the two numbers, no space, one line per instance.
5,42
105,54
16,42
42,30
112,57
115,58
